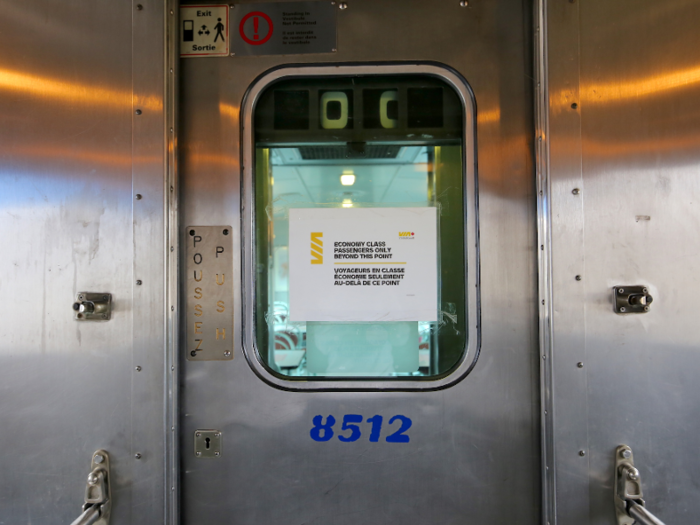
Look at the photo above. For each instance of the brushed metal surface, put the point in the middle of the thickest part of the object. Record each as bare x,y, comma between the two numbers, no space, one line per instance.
544,240
631,147
468,442
73,155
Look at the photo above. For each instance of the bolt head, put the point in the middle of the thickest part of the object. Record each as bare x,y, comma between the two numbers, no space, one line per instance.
581,453
620,290
138,112
139,196
99,458
646,308
137,455
576,191
138,368
227,353
198,434
623,309
92,479
579,364
578,277
626,453
199,453
139,282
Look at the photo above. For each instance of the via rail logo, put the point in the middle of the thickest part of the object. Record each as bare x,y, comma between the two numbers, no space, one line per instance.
406,236
317,247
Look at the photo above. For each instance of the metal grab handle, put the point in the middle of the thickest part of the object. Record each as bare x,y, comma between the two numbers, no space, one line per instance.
89,516
629,500
98,494
642,515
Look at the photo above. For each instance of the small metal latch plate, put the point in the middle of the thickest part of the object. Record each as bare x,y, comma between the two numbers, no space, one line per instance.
207,443
91,306
631,299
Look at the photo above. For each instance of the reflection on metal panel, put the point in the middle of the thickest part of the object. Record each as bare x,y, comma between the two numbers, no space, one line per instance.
630,148
69,89
465,440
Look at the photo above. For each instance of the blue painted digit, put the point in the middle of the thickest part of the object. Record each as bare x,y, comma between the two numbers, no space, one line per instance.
398,436
376,428
315,432
354,429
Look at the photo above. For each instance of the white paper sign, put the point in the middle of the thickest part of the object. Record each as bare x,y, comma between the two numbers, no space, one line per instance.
363,264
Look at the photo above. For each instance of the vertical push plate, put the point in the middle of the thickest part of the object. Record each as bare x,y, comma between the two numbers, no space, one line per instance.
209,293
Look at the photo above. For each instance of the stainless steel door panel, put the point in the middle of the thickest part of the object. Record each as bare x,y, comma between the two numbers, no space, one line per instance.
468,443
631,149
70,163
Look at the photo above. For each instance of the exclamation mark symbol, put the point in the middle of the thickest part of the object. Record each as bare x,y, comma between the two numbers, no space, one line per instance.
255,27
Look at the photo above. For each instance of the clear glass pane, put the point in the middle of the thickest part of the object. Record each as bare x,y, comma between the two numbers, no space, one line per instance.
358,143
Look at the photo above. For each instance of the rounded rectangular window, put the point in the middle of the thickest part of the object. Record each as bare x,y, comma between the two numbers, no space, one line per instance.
359,228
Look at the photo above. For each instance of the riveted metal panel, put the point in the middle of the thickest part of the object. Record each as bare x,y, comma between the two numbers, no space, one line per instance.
566,194
468,442
634,222
74,154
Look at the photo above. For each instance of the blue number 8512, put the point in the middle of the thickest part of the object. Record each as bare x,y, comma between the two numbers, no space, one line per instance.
324,431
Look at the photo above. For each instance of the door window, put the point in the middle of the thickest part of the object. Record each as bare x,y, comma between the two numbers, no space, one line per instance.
359,227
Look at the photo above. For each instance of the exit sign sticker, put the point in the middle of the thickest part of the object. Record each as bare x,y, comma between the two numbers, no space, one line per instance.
204,30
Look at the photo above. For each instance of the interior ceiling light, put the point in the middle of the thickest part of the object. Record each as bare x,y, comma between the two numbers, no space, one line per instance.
347,178
347,203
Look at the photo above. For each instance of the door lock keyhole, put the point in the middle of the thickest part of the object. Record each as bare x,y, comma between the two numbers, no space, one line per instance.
207,443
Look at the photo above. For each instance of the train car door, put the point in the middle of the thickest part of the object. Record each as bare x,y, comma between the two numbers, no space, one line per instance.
623,149
359,326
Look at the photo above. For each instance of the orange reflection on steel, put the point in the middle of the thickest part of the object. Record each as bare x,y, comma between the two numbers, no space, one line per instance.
229,110
212,159
74,92
488,117
53,153
624,90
